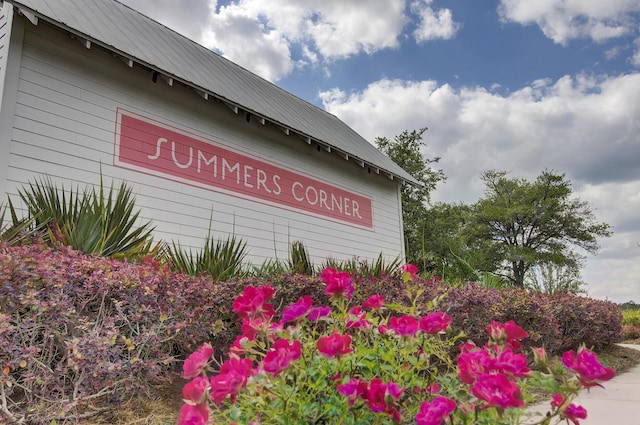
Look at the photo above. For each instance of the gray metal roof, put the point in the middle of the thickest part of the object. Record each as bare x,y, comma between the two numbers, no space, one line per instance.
134,36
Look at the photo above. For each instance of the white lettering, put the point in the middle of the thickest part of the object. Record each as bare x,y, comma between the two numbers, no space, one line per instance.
315,194
175,160
247,175
213,159
160,141
262,180
346,206
323,199
278,189
226,166
355,207
336,203
293,191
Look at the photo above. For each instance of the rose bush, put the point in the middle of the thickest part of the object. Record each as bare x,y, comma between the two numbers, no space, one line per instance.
374,363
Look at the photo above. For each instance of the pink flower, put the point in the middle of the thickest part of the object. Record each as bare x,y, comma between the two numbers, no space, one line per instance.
434,323
297,309
383,329
281,354
338,283
376,394
404,326
433,388
357,319
194,415
511,364
193,366
253,302
236,349
497,391
586,365
374,302
472,364
436,412
557,400
573,413
233,376
508,332
409,271
352,389
334,344
194,391
539,355
318,312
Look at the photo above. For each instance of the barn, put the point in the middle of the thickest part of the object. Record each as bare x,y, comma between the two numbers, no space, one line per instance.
90,85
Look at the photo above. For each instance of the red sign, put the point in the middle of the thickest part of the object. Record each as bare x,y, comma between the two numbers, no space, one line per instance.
149,146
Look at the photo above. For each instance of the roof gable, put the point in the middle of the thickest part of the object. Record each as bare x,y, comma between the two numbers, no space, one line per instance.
140,39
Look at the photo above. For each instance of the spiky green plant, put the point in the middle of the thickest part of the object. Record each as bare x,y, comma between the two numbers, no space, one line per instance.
269,269
363,267
299,260
220,259
90,221
16,230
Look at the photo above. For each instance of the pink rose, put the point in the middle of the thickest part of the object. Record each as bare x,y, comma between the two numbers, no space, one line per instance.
338,284
281,354
253,302
193,366
497,391
374,302
509,333
586,365
195,390
434,323
404,326
317,313
194,415
573,413
357,319
410,271
472,364
334,345
436,412
297,309
512,364
352,389
233,377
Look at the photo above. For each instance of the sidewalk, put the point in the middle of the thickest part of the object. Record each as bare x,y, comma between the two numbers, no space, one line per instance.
618,403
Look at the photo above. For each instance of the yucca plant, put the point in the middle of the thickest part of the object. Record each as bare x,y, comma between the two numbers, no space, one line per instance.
360,267
221,259
269,269
16,230
299,260
90,221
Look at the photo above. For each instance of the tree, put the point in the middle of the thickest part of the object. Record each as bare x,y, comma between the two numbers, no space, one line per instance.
553,278
519,224
405,150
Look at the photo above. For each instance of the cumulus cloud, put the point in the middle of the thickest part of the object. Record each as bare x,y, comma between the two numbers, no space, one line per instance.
587,127
434,24
562,20
262,35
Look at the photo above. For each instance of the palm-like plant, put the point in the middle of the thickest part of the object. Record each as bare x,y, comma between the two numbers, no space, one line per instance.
17,229
221,259
90,221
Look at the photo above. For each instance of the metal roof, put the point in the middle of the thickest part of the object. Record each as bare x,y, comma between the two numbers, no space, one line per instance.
141,40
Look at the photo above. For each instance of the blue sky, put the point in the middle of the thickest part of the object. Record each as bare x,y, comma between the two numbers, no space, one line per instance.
518,85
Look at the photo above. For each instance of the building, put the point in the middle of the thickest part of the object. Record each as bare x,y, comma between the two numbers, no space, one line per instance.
90,85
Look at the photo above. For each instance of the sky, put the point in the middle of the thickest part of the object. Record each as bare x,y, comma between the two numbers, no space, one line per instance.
516,85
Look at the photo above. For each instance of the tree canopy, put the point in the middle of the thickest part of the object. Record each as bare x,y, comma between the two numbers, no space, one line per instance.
519,223
405,150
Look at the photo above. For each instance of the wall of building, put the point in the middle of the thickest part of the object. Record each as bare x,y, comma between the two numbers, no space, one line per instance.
64,124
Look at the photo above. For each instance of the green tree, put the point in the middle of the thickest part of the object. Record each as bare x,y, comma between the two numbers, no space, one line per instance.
552,278
406,151
519,224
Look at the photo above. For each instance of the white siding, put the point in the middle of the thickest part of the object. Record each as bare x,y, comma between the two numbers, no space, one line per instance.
64,125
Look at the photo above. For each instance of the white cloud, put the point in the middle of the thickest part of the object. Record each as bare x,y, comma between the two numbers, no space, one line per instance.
584,126
261,35
434,24
635,59
564,20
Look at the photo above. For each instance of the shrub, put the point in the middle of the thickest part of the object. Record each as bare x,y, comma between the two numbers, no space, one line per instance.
79,334
631,317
